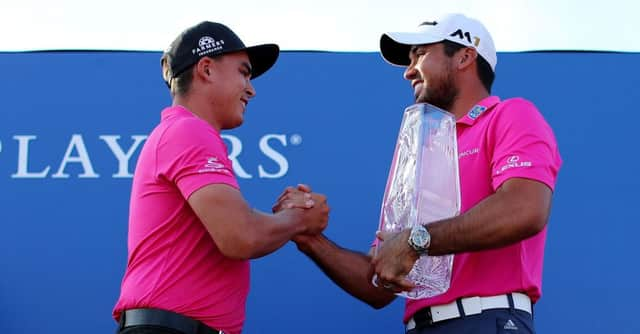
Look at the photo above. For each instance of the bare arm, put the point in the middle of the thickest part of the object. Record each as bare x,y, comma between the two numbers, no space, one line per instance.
518,210
243,233
350,270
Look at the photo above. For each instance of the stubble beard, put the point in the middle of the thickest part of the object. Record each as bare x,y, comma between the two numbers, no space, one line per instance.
442,94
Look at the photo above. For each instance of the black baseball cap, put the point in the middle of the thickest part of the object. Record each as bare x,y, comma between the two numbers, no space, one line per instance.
210,39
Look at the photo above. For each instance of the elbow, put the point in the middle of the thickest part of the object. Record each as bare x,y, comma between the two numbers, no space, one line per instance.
536,222
377,304
377,298
380,300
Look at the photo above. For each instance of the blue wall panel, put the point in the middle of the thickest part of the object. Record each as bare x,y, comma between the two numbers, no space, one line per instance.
334,118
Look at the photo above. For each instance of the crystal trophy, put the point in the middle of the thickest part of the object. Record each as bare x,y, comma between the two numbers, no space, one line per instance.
423,187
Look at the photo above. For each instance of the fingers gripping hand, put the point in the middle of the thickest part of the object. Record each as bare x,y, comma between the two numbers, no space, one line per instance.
293,198
317,218
316,215
304,187
301,187
393,261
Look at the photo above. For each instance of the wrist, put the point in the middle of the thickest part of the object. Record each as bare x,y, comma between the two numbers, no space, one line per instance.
409,252
303,246
316,244
293,220
419,240
305,242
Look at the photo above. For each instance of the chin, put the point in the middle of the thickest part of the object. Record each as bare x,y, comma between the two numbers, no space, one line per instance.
231,126
234,124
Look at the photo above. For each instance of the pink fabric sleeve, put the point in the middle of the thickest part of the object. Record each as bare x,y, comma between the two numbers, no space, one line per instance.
523,145
192,155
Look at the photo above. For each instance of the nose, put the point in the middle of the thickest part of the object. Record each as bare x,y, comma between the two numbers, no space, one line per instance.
410,72
251,92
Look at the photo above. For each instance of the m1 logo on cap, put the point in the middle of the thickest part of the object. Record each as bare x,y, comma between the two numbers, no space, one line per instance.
206,45
428,23
462,35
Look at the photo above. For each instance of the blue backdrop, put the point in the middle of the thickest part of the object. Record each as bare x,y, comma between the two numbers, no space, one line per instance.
71,122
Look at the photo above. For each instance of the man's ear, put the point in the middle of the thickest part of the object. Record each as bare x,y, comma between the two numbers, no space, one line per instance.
466,57
204,69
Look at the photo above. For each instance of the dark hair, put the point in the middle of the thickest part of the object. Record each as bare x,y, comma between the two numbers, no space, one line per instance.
180,84
485,73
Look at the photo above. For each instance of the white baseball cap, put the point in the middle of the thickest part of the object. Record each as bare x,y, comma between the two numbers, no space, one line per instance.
457,28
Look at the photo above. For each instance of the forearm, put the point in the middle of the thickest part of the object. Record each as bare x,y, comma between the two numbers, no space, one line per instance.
500,220
269,232
243,233
350,270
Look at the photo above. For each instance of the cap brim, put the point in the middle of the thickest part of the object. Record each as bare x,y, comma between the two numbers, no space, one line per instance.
262,58
395,46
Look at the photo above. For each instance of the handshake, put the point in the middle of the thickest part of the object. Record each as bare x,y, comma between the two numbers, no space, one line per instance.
308,209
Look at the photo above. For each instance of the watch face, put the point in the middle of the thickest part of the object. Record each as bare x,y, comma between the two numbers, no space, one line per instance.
420,237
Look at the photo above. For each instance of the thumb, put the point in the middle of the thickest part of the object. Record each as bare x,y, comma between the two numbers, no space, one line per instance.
382,235
304,187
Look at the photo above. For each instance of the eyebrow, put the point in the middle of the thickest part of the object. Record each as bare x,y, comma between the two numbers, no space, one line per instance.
414,49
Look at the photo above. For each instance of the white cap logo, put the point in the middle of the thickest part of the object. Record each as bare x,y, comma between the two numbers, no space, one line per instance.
206,40
207,45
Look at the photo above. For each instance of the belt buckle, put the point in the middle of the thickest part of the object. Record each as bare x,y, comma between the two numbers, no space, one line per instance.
120,322
429,316
411,324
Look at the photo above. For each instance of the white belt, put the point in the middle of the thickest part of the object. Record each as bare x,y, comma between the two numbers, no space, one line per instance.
475,305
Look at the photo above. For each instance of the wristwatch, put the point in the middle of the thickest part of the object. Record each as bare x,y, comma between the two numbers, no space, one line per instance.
419,239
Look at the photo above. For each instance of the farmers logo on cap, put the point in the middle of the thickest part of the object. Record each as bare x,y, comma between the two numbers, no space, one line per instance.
208,45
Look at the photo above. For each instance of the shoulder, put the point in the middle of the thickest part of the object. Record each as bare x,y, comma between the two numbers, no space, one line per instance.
517,118
516,105
517,110
190,125
190,130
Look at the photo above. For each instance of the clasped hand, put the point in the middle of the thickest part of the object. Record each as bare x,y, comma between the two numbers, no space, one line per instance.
315,213
393,261
394,258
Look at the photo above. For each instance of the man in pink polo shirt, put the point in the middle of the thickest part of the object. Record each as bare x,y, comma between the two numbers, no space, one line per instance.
508,160
191,233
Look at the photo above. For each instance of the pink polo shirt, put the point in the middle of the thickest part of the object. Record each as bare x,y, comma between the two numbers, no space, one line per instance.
498,141
173,263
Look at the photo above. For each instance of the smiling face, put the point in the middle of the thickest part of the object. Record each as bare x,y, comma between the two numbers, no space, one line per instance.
230,89
431,75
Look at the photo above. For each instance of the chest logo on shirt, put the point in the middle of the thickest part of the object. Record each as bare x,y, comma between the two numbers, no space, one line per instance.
476,111
468,152
513,162
214,165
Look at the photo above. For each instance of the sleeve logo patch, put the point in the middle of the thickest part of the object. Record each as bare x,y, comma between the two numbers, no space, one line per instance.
213,165
513,162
